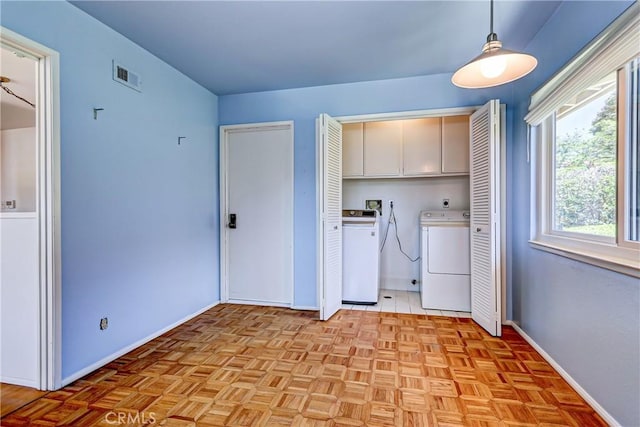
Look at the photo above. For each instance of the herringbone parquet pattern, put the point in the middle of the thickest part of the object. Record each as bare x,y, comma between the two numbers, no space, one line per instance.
245,365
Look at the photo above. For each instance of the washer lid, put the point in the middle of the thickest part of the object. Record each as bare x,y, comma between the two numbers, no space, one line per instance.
444,217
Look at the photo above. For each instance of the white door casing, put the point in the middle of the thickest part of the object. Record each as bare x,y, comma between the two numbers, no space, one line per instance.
485,174
329,251
48,205
256,184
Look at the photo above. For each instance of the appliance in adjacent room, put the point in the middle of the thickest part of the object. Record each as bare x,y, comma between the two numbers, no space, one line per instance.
446,278
360,256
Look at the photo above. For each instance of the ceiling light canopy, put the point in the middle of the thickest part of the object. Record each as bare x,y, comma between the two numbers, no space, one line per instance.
494,66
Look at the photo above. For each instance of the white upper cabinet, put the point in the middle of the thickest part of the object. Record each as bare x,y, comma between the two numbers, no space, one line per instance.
455,144
352,149
428,146
421,143
383,148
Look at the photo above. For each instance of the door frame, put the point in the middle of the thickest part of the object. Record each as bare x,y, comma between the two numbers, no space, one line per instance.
48,199
225,130
417,114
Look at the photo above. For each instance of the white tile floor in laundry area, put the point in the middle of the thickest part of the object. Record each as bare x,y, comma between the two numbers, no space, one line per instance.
403,302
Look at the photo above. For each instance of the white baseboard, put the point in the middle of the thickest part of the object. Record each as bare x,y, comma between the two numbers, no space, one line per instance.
81,373
257,302
568,378
19,381
270,304
305,307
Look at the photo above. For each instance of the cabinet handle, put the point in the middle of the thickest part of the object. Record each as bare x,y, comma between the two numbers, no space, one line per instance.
478,230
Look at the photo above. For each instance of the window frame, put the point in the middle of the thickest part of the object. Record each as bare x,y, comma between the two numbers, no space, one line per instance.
624,160
618,254
551,213
614,48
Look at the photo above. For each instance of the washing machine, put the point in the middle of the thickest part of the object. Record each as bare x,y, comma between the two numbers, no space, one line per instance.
360,256
445,267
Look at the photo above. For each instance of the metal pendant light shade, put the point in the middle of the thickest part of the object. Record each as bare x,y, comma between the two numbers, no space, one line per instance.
494,66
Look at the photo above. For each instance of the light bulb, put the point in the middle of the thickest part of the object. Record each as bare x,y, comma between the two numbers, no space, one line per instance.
494,66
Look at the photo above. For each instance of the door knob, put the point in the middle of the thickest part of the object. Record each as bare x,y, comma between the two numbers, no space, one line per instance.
478,230
335,227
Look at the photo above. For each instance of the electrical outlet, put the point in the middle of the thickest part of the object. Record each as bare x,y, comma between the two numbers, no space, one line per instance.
104,323
445,203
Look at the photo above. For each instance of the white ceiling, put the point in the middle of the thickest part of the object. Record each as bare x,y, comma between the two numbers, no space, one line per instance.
22,72
247,46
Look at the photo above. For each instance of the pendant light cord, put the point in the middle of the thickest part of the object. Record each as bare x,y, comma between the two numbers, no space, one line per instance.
492,37
491,20
10,92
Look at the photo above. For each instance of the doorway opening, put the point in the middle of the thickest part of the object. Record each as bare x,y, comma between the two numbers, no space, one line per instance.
30,279
398,151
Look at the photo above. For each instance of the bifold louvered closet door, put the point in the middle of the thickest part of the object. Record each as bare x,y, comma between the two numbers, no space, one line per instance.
485,222
330,150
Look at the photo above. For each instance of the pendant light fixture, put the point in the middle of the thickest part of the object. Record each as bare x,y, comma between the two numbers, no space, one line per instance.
494,66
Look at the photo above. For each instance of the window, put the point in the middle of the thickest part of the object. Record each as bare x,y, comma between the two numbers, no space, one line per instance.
586,180
631,171
584,163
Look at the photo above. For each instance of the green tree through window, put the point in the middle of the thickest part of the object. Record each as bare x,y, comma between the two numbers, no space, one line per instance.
585,168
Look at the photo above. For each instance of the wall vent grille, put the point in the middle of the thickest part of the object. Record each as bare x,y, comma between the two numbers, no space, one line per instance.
127,77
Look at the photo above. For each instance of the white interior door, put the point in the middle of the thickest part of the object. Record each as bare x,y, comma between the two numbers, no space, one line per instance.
485,217
329,155
20,328
257,189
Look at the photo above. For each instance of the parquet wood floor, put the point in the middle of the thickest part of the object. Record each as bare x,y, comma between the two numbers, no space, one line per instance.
239,365
13,397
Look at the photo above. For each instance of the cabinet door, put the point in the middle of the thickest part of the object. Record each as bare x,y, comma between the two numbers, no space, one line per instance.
382,148
455,144
352,149
421,146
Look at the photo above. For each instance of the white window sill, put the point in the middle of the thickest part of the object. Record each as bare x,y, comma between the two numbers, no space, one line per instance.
611,257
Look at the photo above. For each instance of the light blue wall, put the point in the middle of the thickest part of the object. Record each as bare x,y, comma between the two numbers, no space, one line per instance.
586,318
139,212
305,105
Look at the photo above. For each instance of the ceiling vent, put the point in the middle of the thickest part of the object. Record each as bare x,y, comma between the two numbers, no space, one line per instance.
126,77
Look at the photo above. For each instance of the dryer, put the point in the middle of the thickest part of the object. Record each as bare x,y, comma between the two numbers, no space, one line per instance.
445,268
